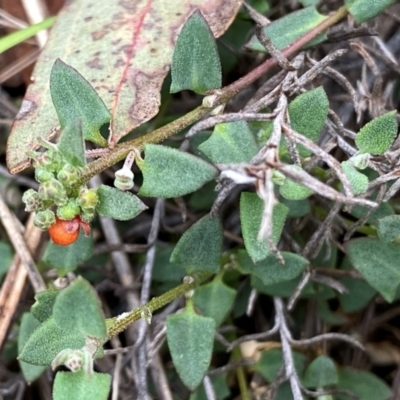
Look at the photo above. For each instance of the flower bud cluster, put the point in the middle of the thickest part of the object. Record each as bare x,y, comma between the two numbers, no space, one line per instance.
59,193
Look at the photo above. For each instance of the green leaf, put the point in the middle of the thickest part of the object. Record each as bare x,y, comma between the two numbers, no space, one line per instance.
47,341
270,271
358,296
232,142
72,145
363,10
308,113
115,203
163,269
383,210
389,229
195,63
28,324
67,258
378,135
6,256
297,208
320,373
43,307
271,361
169,172
291,190
358,181
251,210
12,39
365,385
77,309
220,387
287,29
78,386
214,299
200,247
74,98
377,262
190,340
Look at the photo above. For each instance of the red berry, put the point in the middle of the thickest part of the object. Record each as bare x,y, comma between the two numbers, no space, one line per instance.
64,233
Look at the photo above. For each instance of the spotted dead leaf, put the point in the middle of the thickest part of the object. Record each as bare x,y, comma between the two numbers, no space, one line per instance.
124,49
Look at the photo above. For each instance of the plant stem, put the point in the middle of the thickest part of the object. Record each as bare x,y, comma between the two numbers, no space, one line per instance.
121,322
221,97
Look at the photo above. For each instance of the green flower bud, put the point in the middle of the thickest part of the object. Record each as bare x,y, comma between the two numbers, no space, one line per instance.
68,175
53,191
360,161
43,175
124,179
278,178
69,210
52,160
88,199
44,219
87,215
32,201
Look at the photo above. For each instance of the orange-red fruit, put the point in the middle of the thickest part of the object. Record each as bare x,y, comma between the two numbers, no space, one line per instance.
64,233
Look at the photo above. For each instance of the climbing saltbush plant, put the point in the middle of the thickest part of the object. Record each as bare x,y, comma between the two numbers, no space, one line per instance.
309,198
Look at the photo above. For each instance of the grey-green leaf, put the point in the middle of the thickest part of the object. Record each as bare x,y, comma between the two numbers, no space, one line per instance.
43,307
251,210
231,142
291,190
378,135
200,247
78,386
271,272
74,98
363,10
67,258
363,384
170,173
358,181
389,229
195,63
28,324
117,204
287,29
320,373
214,299
308,113
378,263
77,309
72,145
190,340
47,341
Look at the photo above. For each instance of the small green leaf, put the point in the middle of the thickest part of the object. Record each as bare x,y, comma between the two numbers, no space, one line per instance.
308,113
200,247
365,385
232,142
169,172
291,190
74,98
220,385
389,229
77,309
28,324
6,256
190,340
378,135
72,145
67,258
363,10
377,262
195,63
320,373
78,386
163,269
214,299
251,210
271,271
287,29
271,362
43,307
358,296
117,204
297,208
47,341
358,181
